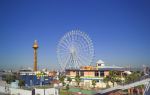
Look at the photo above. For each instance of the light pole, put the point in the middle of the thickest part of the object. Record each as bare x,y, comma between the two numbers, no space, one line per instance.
43,82
44,85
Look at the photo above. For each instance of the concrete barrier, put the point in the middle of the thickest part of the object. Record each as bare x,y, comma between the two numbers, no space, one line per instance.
14,91
20,92
50,91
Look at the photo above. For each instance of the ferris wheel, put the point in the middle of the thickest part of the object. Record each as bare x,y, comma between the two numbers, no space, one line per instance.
75,49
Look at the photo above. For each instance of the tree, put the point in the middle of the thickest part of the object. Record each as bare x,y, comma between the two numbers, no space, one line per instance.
106,80
61,79
94,83
113,77
21,83
10,78
67,88
77,79
128,78
69,79
133,77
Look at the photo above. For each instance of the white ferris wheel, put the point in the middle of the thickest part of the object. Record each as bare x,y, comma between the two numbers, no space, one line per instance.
75,49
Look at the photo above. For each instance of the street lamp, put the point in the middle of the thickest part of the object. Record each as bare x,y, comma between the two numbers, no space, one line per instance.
43,81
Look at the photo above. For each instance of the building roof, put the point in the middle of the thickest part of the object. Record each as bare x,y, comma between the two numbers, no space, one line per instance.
100,62
116,68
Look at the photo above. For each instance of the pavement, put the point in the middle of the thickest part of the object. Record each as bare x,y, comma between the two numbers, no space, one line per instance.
2,83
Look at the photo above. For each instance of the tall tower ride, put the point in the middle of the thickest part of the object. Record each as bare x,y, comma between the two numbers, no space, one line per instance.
35,47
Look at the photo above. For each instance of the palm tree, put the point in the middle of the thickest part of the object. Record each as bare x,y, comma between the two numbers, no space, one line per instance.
94,83
67,88
106,80
21,83
61,79
77,79
113,77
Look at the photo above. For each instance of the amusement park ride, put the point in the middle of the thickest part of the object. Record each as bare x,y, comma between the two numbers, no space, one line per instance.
75,49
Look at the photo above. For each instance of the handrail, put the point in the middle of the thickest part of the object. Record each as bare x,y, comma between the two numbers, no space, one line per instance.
123,87
147,89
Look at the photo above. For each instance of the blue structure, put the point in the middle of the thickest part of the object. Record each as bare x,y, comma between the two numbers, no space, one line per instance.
31,80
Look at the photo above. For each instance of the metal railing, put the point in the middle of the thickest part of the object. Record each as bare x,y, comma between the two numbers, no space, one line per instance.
123,87
147,89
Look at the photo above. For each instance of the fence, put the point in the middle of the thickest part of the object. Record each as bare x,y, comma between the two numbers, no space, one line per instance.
13,91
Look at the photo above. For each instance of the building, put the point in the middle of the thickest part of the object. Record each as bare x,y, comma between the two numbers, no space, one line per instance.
32,78
98,72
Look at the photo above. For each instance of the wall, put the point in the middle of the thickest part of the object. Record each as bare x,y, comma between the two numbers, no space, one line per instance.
89,73
20,91
72,73
14,91
106,73
2,89
50,91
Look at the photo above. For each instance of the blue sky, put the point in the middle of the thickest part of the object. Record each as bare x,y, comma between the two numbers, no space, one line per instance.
119,30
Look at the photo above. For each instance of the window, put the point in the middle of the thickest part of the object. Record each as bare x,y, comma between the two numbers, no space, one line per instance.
102,73
82,73
68,73
77,72
99,64
96,73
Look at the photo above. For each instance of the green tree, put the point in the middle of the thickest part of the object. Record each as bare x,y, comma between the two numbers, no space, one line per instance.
21,83
69,79
113,77
106,80
67,88
62,79
133,77
94,83
136,75
10,78
77,79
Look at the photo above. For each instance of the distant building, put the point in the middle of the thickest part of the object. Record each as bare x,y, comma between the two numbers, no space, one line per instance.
146,70
52,73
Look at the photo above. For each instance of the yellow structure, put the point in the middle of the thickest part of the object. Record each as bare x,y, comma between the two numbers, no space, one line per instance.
35,47
87,68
